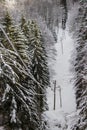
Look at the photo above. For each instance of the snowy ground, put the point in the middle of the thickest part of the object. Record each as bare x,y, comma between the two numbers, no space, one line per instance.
63,75
56,120
61,118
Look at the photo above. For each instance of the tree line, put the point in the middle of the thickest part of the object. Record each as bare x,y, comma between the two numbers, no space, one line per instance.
24,75
80,65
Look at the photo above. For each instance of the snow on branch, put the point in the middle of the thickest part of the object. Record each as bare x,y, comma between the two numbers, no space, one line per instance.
6,92
13,110
29,74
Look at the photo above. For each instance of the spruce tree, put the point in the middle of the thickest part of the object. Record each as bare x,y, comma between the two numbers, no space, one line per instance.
39,66
80,68
26,28
17,98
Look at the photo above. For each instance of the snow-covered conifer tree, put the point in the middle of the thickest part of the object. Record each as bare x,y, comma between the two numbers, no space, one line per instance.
39,65
17,99
80,66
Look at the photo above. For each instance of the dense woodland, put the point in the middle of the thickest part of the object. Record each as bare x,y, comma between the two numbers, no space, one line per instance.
27,38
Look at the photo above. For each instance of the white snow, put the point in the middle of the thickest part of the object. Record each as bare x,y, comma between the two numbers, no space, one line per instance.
62,118
13,118
63,75
6,91
56,120
13,112
72,119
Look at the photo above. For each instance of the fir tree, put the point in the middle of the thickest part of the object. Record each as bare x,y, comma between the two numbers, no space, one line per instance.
26,27
20,92
39,66
80,69
17,98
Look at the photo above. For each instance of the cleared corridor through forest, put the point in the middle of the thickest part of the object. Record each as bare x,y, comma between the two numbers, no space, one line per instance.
62,65
58,119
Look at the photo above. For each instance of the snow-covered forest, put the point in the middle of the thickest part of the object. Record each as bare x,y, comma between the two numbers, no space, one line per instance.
43,65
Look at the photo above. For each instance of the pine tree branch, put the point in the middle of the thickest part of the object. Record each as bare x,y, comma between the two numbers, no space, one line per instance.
29,74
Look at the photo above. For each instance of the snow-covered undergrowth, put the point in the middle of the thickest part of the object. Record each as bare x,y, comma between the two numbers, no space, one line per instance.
59,120
71,119
56,120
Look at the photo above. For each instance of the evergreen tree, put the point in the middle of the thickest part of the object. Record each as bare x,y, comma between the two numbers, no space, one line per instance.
64,13
80,68
26,27
23,98
17,98
39,65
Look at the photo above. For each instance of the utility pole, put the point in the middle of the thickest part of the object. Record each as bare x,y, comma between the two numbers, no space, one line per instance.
54,94
61,40
60,96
